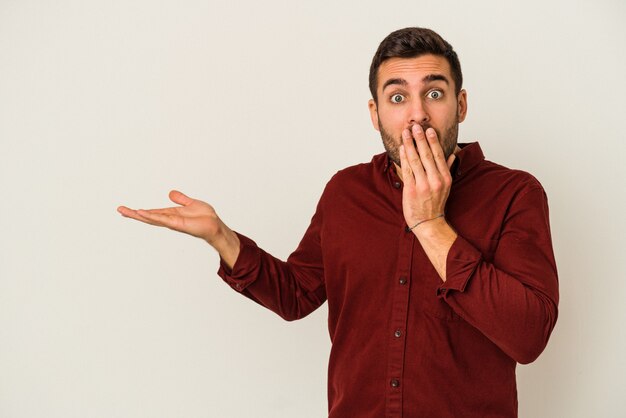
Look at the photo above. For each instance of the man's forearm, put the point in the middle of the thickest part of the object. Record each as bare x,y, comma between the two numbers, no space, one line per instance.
507,309
497,302
436,238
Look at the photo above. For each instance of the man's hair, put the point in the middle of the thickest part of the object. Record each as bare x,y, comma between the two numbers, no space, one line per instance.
412,43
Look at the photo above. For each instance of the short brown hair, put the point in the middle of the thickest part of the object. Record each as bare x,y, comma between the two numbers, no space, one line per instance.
412,43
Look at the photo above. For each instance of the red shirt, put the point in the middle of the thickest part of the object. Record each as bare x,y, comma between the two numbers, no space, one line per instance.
404,343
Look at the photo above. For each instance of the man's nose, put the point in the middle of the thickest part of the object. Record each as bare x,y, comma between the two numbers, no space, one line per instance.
418,113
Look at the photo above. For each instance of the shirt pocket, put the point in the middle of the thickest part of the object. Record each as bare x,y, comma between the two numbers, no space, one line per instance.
438,308
425,296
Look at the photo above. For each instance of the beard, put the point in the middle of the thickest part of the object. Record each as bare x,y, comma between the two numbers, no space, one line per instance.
447,140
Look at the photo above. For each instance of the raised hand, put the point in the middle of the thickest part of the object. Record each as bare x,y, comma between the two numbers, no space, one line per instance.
193,217
426,176
427,182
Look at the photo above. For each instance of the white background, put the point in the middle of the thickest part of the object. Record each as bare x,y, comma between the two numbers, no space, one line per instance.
252,106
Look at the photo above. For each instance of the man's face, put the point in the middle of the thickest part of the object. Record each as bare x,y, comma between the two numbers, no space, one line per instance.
417,91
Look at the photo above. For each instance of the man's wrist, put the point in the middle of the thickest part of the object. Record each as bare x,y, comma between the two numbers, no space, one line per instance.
436,238
226,243
410,228
437,227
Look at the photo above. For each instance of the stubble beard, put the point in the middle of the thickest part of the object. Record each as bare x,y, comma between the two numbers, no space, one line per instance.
448,140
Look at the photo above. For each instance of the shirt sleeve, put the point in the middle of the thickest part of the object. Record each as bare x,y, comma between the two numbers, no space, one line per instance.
292,288
512,296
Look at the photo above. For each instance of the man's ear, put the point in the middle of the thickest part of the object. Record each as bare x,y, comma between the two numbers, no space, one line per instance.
371,104
462,105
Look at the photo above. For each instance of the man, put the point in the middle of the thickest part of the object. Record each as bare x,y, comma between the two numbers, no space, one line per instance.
436,263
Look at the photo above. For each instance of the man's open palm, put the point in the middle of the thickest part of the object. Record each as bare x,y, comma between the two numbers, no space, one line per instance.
193,217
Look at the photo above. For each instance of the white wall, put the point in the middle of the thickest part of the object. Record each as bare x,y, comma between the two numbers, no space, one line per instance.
252,106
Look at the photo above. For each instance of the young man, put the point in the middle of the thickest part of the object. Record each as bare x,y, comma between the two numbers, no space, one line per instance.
436,263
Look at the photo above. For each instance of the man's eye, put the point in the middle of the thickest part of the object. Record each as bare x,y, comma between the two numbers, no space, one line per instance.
397,98
435,94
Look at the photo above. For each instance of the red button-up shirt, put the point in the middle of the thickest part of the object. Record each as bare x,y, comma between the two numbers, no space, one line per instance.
405,343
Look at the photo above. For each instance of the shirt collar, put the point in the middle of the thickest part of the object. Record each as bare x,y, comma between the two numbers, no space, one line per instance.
469,157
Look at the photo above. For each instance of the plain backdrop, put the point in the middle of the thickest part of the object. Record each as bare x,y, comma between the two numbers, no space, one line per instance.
253,106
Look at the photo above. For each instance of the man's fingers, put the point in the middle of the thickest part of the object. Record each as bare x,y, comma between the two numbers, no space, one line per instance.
436,149
180,198
450,161
407,174
164,211
133,214
123,210
159,219
413,158
425,150
129,213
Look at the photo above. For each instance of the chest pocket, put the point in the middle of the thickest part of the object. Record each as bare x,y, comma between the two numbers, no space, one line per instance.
440,309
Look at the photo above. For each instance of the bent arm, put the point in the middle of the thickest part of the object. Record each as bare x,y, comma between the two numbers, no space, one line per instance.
516,308
292,288
512,295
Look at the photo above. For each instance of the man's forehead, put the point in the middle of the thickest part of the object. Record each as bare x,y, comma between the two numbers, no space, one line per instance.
413,68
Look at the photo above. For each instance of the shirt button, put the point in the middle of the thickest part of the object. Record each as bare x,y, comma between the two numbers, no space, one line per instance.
238,286
398,333
394,383
403,280
397,184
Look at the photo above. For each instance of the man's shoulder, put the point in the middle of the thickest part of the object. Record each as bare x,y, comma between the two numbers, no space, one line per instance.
474,172
511,178
361,171
357,178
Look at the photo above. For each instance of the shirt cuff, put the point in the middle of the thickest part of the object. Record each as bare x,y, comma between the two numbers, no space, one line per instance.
461,263
243,273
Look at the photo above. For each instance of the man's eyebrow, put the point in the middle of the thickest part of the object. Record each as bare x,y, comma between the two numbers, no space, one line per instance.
435,77
400,81
428,79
